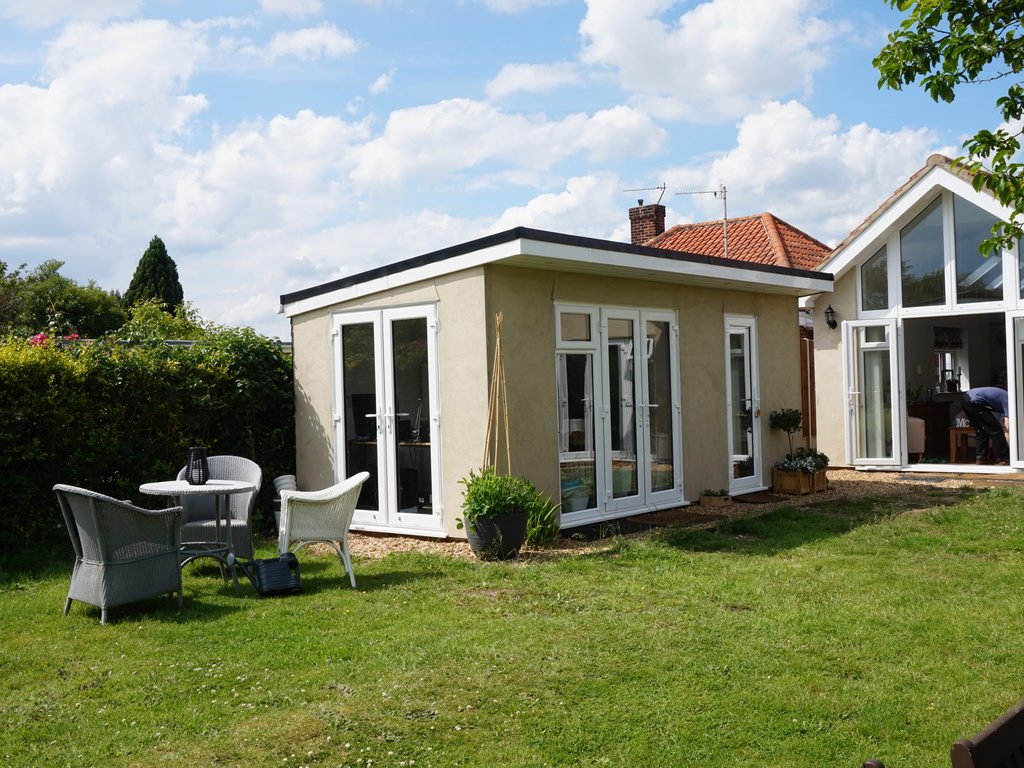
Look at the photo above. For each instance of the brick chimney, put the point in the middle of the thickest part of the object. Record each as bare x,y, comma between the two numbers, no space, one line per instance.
645,222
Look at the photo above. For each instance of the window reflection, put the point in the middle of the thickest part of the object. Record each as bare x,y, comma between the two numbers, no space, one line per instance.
922,259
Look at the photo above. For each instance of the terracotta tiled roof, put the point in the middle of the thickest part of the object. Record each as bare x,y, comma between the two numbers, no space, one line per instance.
764,239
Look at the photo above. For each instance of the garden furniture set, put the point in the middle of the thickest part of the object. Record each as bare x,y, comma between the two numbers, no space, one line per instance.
124,553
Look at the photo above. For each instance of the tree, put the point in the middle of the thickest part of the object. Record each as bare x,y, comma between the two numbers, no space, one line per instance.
45,301
946,44
156,277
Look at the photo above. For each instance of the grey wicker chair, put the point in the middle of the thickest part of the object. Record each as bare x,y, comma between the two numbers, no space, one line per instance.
123,553
199,520
321,516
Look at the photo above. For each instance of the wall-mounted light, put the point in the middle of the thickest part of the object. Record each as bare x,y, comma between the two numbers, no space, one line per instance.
830,317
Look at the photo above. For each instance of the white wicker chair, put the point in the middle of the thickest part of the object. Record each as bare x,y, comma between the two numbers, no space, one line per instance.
123,553
199,520
321,516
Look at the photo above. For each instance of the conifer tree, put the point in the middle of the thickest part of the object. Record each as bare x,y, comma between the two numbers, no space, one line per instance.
156,277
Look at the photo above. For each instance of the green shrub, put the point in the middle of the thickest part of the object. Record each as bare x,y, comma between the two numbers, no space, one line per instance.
109,416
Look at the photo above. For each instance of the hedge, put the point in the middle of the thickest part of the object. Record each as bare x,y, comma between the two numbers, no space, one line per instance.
109,416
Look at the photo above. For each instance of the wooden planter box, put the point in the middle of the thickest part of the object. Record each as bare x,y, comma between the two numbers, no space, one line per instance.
715,501
797,482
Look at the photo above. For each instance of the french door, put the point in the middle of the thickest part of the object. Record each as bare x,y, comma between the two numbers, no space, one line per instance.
873,436
619,412
743,404
641,409
386,415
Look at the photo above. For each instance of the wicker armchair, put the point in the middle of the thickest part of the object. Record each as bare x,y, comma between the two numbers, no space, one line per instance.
322,516
123,553
199,520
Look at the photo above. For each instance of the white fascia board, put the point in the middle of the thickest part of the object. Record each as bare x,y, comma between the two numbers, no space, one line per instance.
540,254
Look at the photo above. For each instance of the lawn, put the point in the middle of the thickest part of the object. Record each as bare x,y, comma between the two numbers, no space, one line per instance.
815,636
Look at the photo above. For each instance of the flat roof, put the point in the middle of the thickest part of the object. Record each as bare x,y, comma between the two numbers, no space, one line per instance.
539,249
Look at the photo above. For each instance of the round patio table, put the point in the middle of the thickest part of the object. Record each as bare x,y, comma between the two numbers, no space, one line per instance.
222,548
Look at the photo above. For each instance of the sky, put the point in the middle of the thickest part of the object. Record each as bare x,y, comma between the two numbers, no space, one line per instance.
274,145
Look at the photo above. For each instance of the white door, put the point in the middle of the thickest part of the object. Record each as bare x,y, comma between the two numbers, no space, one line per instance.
873,436
640,457
386,415
743,404
1015,387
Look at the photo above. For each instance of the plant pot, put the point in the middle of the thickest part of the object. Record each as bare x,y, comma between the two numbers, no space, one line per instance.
797,482
715,501
497,538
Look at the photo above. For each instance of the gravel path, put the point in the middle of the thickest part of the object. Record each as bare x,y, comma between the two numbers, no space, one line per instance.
842,484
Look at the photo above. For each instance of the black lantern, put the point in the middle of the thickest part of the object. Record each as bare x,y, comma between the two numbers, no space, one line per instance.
830,317
197,471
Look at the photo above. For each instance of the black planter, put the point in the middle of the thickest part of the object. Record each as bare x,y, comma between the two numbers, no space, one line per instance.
498,538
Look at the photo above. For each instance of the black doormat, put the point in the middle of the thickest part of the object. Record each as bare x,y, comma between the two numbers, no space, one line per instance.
760,497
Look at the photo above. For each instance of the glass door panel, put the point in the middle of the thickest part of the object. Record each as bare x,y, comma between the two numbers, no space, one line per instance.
359,384
660,426
621,388
576,457
743,407
410,411
871,374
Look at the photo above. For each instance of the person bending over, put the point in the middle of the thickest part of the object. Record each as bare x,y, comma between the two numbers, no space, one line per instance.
986,408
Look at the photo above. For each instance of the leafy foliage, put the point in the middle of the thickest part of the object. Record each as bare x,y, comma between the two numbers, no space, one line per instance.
110,415
44,301
789,420
156,277
946,44
807,460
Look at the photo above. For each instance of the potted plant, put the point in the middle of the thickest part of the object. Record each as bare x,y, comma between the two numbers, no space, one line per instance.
712,498
802,472
495,512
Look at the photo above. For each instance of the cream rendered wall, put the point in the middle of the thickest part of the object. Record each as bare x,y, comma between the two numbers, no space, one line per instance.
527,299
467,302
829,386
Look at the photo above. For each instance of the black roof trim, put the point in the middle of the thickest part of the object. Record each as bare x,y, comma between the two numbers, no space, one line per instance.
556,238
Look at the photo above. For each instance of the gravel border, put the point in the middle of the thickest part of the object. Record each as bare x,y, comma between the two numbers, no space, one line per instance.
842,484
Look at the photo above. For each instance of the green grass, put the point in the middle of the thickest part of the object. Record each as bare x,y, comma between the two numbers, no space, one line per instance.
811,637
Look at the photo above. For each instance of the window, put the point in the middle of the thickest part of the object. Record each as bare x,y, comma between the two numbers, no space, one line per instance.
978,278
874,282
922,259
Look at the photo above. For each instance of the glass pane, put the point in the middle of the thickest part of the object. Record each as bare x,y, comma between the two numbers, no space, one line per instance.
412,414
576,431
874,282
360,388
622,408
659,396
978,278
922,260
574,326
876,416
741,412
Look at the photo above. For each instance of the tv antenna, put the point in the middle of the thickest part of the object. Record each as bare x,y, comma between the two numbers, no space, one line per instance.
663,187
725,211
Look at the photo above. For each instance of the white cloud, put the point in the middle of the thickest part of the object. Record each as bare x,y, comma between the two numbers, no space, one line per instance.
324,41
436,139
517,6
718,60
294,8
531,78
811,171
45,13
590,206
382,83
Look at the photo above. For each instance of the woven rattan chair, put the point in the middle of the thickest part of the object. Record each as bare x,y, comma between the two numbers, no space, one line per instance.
199,520
123,553
321,516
